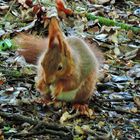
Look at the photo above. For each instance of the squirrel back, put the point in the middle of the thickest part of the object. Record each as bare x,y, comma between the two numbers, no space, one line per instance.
83,55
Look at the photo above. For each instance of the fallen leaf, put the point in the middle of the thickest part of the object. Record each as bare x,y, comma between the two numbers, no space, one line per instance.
117,51
135,71
5,44
23,3
101,37
130,34
1,82
66,116
1,135
122,78
114,37
137,100
78,130
101,1
61,7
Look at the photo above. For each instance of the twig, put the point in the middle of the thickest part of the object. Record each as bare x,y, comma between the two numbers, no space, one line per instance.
42,127
100,104
117,110
115,100
14,73
121,111
44,131
22,118
10,8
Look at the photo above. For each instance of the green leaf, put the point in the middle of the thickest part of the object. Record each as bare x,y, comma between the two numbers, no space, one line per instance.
5,44
7,128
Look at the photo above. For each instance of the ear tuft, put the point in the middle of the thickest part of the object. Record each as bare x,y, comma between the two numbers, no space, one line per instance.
54,32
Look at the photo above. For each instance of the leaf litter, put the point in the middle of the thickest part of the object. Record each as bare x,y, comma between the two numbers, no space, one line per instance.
116,102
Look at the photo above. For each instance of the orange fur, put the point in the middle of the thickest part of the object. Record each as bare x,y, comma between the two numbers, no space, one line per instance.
61,8
79,63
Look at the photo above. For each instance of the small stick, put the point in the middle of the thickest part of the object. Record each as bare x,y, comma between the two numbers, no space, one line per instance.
22,119
121,111
39,132
10,9
116,100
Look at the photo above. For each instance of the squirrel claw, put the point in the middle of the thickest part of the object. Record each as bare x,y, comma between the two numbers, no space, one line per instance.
83,109
53,97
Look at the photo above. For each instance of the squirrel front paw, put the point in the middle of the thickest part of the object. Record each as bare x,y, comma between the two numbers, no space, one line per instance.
56,90
53,97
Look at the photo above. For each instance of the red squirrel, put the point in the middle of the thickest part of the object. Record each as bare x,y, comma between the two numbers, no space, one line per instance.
67,67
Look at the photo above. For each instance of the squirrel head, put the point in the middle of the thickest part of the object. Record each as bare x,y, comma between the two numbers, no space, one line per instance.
57,61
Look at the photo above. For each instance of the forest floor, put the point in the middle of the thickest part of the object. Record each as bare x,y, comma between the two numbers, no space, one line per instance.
116,102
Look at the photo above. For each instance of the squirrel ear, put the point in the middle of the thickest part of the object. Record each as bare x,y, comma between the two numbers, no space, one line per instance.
55,42
60,43
55,34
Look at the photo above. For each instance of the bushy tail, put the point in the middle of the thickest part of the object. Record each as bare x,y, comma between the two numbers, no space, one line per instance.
30,47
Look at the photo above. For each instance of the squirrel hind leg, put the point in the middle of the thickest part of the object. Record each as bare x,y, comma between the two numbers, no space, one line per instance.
83,109
87,89
84,94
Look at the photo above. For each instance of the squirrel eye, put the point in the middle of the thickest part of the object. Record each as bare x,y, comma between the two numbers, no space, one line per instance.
60,67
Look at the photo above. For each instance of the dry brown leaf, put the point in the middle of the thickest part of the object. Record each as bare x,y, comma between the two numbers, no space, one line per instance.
137,100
